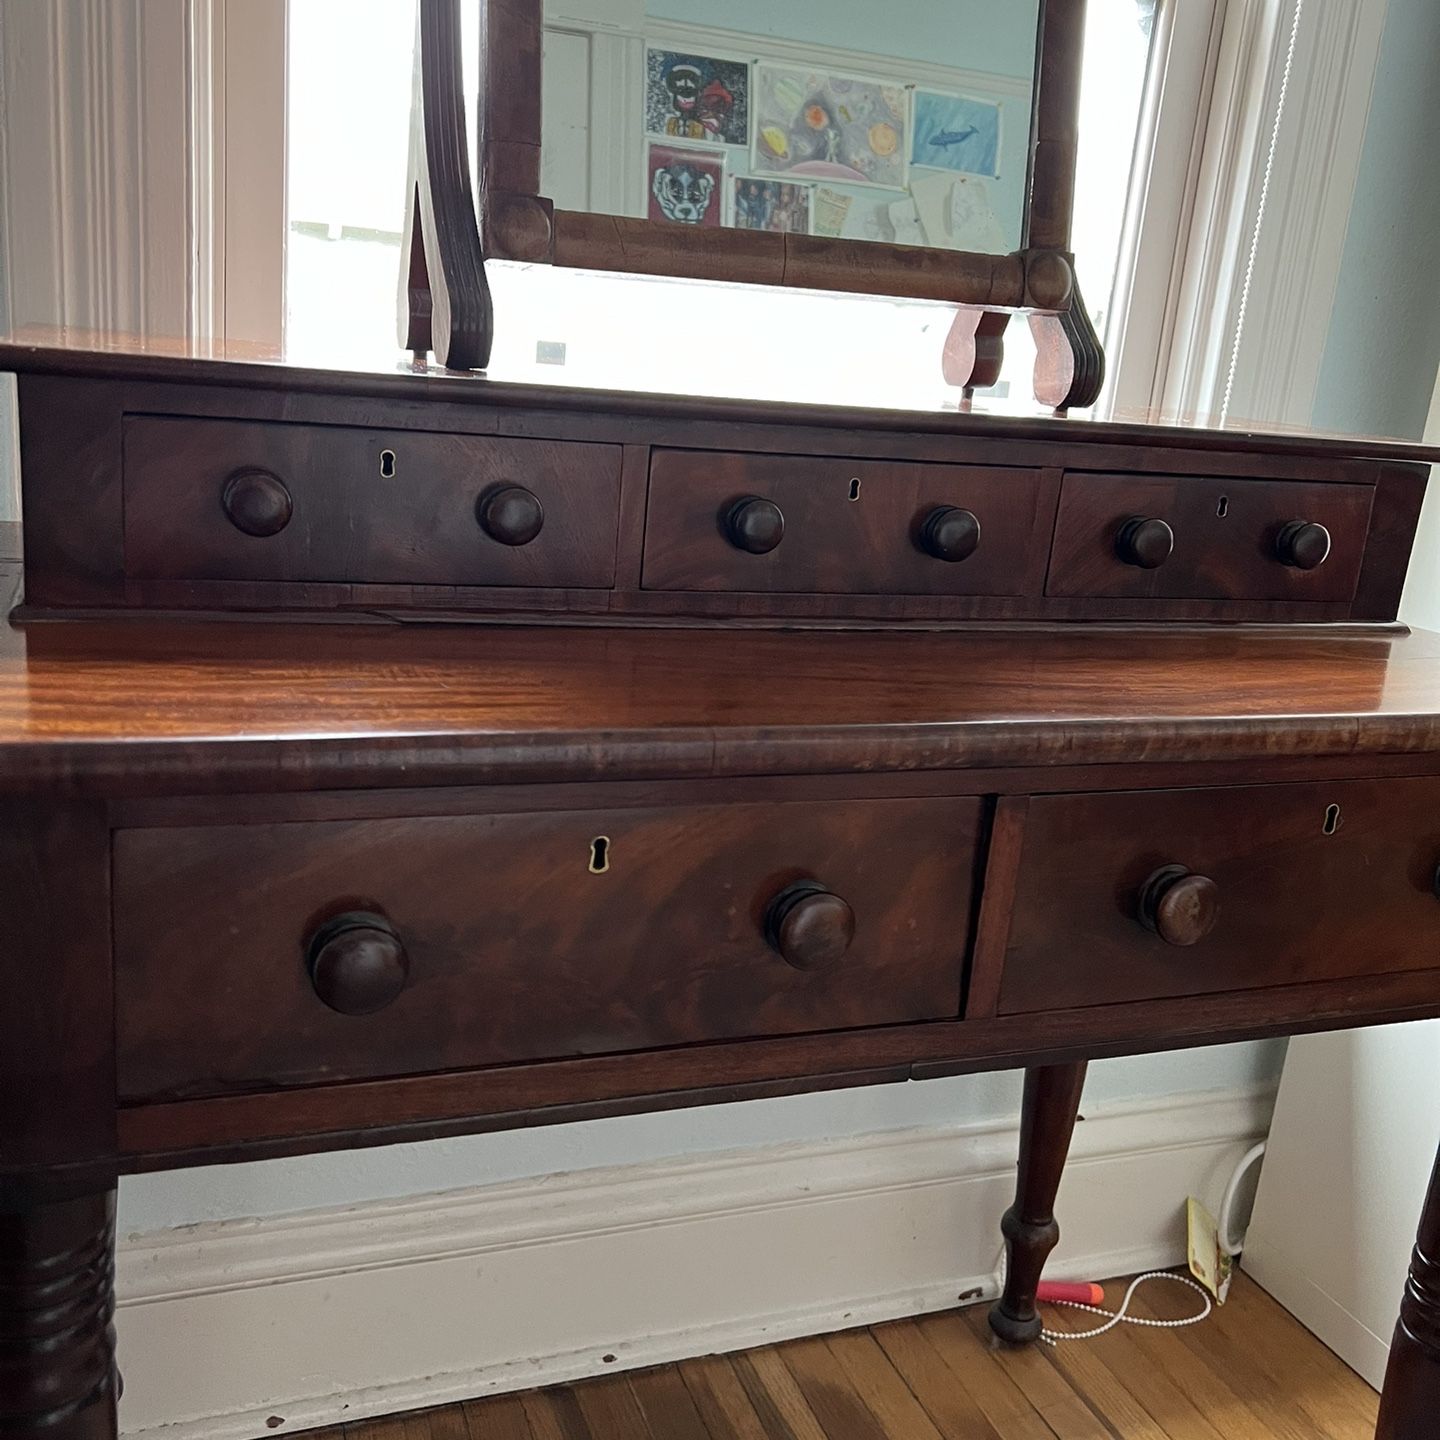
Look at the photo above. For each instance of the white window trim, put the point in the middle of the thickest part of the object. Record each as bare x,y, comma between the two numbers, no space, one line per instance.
1197,332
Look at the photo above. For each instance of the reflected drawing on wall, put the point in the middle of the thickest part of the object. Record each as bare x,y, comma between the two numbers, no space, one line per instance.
907,124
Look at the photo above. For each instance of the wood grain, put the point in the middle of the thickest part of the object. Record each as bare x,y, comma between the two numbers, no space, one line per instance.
127,708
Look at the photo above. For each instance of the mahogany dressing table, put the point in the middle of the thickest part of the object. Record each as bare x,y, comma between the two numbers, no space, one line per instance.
402,754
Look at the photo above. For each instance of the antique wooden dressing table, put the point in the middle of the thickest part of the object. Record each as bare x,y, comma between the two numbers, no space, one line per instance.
564,754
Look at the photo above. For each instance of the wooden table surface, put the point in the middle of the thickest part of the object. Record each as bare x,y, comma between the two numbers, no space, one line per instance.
151,704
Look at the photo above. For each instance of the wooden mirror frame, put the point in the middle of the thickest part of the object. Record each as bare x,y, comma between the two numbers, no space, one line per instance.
446,305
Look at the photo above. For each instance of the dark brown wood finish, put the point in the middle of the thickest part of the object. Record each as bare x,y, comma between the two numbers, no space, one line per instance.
534,936
444,303
369,505
1411,1401
1047,1120
478,876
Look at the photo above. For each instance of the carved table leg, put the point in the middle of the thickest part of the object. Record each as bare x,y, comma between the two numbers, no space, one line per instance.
57,1300
1410,1406
1052,1102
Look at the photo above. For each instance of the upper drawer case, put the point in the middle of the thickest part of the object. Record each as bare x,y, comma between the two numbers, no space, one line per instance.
820,525
240,500
1227,539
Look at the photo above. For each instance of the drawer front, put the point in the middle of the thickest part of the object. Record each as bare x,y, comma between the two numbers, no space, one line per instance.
849,526
1308,882
1229,537
516,950
364,505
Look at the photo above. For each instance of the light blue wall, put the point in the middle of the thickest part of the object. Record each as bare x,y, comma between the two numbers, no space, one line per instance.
1384,340
993,35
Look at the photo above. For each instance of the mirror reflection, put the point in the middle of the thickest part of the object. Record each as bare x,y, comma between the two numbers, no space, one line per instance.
906,122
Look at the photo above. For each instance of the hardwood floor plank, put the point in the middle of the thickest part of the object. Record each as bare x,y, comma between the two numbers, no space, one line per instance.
1322,1383
666,1405
451,1422
555,1414
782,1407
1059,1405
948,1403
721,1399
610,1410
830,1392
880,1386
500,1417
1083,1364
999,1399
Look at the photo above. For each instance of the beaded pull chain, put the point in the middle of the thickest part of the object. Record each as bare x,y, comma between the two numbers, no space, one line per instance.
1114,1318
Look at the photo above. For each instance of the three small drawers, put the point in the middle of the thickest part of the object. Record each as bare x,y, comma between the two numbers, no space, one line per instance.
246,501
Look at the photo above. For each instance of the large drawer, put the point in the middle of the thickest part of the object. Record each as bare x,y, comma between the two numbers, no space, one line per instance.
1196,538
820,525
243,500
1306,882
528,936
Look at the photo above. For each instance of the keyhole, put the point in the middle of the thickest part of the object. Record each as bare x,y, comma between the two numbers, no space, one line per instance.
387,464
1223,508
599,854
1332,820
855,488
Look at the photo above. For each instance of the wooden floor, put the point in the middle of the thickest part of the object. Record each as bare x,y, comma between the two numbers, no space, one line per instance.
1250,1372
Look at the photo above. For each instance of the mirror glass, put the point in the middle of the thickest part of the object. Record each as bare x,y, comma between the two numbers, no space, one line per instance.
904,121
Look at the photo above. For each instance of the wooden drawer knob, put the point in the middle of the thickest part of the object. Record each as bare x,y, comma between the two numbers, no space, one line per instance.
510,514
809,925
1180,907
754,524
950,533
357,963
1303,545
257,502
1147,543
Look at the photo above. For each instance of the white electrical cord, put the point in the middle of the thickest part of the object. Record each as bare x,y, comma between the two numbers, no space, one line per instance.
1116,1317
1229,1245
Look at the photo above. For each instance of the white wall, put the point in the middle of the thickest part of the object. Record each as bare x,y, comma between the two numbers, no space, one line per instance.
150,1202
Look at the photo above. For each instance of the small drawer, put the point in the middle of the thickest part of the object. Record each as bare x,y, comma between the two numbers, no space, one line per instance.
812,525
1196,538
484,939
1139,896
242,500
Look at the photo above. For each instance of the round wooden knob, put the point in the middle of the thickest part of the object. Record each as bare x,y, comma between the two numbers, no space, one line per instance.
357,963
257,502
809,926
1303,544
950,533
510,514
754,524
1180,907
1144,542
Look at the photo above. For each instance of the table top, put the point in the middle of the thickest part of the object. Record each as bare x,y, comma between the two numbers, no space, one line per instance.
167,705
391,374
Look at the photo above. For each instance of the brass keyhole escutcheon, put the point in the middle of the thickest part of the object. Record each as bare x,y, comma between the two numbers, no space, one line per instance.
855,487
599,854
387,464
1332,820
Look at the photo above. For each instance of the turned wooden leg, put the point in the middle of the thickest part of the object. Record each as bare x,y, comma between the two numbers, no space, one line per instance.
57,1301
1410,1405
1052,1102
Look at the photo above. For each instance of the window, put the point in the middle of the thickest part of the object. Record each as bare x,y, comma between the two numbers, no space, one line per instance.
350,64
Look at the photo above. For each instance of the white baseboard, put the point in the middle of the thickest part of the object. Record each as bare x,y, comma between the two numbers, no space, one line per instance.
257,1327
